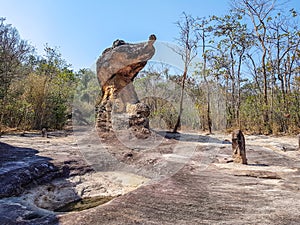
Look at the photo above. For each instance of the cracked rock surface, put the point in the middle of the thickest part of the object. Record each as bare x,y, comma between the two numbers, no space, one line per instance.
209,189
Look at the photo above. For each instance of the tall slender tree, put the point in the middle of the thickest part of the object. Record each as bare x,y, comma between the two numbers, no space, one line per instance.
259,12
203,28
188,41
234,41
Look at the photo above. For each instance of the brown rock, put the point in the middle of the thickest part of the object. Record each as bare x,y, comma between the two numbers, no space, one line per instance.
44,132
116,69
238,147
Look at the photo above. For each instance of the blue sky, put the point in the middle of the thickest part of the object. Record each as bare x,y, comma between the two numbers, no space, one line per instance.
82,29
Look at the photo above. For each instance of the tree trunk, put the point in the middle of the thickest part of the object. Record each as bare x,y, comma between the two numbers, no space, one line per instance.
266,103
209,122
239,90
178,122
233,93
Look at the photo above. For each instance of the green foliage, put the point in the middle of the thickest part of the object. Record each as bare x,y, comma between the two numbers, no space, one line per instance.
253,55
87,95
35,91
159,86
153,89
13,53
251,114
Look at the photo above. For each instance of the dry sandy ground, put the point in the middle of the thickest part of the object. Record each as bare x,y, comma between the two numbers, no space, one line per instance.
182,181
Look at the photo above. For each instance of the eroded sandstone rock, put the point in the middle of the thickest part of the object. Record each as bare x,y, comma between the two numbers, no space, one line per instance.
20,167
116,69
238,147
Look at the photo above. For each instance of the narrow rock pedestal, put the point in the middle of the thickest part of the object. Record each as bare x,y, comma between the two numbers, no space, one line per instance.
238,147
299,142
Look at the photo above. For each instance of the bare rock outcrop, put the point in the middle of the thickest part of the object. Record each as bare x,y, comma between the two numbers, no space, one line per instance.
21,166
116,69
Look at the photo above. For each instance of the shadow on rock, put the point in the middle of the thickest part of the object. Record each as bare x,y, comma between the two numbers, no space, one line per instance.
189,137
21,169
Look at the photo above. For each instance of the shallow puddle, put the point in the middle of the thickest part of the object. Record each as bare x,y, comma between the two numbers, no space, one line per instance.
84,203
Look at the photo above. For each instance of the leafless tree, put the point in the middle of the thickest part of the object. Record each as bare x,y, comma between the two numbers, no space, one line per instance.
259,12
188,41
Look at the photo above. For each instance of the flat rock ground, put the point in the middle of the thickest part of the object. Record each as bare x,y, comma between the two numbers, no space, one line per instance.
205,189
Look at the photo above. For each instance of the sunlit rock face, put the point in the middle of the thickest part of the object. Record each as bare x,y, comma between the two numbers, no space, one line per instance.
116,69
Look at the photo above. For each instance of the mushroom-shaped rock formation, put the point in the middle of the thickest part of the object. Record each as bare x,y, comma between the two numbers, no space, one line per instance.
117,67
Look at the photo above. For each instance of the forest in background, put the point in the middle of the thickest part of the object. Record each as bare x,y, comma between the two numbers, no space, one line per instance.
248,78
